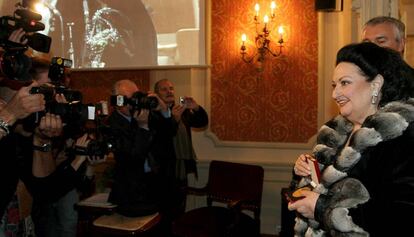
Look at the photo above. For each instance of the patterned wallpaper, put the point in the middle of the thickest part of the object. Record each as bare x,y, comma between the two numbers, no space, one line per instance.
279,105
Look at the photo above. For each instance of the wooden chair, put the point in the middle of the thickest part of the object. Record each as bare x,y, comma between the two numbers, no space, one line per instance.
237,185
119,225
91,208
99,219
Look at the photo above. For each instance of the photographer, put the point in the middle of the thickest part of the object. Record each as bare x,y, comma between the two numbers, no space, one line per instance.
141,185
64,166
187,114
20,106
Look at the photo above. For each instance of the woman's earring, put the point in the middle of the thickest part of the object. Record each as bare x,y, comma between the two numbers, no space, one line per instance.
374,97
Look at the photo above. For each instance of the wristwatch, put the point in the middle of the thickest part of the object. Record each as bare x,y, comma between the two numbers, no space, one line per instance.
43,148
4,126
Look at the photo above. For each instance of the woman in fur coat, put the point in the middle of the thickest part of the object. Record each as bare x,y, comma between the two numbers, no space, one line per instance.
365,154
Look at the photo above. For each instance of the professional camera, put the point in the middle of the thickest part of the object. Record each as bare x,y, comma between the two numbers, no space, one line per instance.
14,64
49,93
57,69
74,114
139,100
100,146
29,22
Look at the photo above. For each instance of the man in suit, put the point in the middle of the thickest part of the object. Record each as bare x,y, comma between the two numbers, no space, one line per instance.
132,190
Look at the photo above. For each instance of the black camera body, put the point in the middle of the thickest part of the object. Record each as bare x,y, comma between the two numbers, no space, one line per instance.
29,22
102,145
57,69
49,92
14,64
139,100
74,114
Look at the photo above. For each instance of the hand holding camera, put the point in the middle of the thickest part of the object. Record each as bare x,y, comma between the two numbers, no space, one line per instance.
188,102
177,111
50,126
141,116
17,36
23,104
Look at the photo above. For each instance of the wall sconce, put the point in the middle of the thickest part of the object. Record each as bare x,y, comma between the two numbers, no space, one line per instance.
262,39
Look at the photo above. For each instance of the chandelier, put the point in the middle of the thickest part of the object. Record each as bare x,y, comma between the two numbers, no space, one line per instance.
262,39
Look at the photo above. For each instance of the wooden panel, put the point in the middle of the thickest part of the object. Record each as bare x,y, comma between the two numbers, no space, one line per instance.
97,85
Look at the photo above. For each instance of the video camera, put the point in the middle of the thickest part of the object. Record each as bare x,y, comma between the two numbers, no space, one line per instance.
102,145
29,21
13,62
139,100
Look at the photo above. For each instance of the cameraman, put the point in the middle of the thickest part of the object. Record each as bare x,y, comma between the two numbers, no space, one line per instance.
141,185
20,106
61,168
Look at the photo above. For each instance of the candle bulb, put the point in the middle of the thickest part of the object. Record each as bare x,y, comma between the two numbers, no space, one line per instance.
257,8
265,19
272,8
280,31
243,48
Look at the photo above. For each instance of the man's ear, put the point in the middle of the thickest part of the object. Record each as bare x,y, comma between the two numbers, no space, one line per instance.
377,83
402,45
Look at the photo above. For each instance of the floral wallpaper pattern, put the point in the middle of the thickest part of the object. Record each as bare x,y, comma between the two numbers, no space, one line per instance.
279,104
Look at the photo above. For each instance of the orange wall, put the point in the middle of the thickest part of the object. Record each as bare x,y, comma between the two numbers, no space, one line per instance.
281,106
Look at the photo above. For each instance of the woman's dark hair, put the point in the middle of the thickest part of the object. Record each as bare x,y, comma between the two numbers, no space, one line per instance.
373,60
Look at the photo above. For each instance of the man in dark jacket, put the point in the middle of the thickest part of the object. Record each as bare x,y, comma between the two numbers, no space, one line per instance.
187,114
138,184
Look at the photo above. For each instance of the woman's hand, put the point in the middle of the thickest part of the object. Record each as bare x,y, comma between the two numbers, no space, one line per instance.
302,167
306,205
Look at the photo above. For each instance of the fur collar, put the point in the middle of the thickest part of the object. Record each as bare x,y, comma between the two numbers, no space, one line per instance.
336,160
388,123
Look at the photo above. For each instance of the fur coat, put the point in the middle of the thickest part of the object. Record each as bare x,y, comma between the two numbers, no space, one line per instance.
359,181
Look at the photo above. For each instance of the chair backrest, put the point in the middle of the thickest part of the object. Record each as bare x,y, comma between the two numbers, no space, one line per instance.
230,181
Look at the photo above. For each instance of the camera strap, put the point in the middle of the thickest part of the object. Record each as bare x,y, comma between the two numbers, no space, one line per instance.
81,150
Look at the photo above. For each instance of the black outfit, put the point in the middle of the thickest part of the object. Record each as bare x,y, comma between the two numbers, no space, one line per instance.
136,192
372,177
9,171
131,187
17,164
